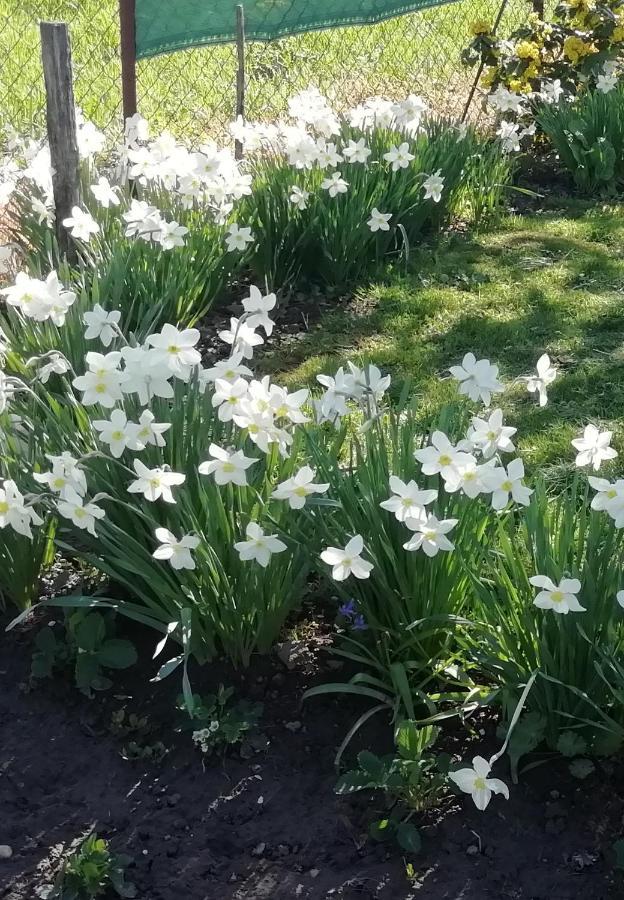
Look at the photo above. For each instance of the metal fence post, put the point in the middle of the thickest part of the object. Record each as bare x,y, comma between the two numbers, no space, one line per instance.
240,73
62,132
127,25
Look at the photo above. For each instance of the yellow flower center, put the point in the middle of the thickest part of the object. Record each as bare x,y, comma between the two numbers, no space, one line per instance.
4,507
79,512
445,460
612,493
228,467
100,388
155,482
117,435
507,485
58,483
300,492
173,348
557,596
480,784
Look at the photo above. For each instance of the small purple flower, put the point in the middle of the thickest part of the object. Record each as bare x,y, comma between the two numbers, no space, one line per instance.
348,609
359,623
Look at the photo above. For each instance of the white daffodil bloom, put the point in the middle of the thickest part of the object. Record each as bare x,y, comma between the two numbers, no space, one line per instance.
101,324
441,456
546,374
490,435
506,483
149,431
551,90
238,238
335,185
259,546
56,365
299,197
475,782
379,221
102,383
298,488
327,156
142,220
230,369
348,561
593,448
155,483
40,300
434,185
171,235
14,512
146,375
509,134
83,514
470,478
606,83
430,535
65,474
228,467
118,433
408,501
176,552
399,157
620,598
504,100
561,598
176,349
242,338
105,195
81,224
228,397
285,405
609,497
478,378
258,308
356,152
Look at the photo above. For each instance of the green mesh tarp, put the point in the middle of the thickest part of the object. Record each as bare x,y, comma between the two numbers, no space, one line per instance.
165,25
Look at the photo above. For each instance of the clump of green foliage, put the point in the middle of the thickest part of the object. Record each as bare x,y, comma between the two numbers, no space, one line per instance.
216,722
91,871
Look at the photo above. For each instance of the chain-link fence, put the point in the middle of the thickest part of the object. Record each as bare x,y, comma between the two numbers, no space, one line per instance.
192,92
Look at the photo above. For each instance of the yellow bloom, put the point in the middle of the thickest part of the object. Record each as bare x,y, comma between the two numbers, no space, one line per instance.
532,71
480,26
489,77
618,31
527,50
515,85
574,48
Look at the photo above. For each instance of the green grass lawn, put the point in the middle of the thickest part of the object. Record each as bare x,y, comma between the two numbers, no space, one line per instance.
545,283
193,92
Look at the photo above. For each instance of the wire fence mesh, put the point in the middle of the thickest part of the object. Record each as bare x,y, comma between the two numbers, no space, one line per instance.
192,92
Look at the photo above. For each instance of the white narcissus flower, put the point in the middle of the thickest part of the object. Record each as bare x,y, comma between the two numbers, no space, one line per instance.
335,185
149,431
441,456
101,324
471,478
430,535
298,488
593,448
478,378
507,482
259,546
408,501
561,598
299,197
65,474
606,83
14,512
102,383
475,782
379,221
348,561
327,155
176,552
176,349
490,436
285,405
228,467
155,483
356,151
81,224
228,397
434,185
82,513
230,369
238,238
546,374
171,234
399,157
105,195
56,365
118,433
258,308
242,338
620,598
609,497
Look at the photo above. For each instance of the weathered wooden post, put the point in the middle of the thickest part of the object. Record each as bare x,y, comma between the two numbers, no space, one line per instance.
62,132
240,74
127,23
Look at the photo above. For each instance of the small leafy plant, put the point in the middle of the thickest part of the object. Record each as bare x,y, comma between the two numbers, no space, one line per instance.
89,645
218,724
413,779
91,871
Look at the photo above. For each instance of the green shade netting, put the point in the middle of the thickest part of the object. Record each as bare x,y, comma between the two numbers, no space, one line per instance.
174,25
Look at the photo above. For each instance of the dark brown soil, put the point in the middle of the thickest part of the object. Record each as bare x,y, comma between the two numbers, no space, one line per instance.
270,827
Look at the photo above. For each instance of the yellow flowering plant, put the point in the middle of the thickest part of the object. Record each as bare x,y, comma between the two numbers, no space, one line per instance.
570,50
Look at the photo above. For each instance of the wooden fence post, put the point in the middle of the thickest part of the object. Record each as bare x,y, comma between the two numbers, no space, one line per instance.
61,122
127,11
240,74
